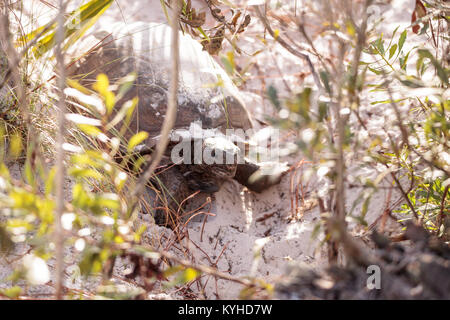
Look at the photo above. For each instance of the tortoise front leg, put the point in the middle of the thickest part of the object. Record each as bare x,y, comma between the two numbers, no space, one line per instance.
173,189
247,175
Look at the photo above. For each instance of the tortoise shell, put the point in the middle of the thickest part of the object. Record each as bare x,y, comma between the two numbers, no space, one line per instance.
144,48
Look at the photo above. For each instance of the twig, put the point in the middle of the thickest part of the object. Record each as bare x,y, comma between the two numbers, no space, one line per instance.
340,168
441,213
172,105
13,69
301,28
204,269
60,171
282,42
404,194
361,42
404,132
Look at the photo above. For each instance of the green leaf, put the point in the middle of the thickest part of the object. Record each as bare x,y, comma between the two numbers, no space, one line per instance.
228,64
365,207
411,82
49,181
102,87
29,174
403,61
108,200
190,274
387,101
23,199
126,111
380,45
401,41
12,292
187,275
323,111
395,31
126,83
16,145
442,74
90,263
303,103
80,197
5,242
199,29
325,80
273,96
392,50
163,5
136,140
90,130
75,25
84,18
377,72
85,173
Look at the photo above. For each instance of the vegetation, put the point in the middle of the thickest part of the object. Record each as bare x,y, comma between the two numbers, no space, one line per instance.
93,207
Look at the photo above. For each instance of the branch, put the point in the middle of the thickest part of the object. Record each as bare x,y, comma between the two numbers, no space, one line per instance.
442,213
203,268
60,170
282,42
172,105
404,194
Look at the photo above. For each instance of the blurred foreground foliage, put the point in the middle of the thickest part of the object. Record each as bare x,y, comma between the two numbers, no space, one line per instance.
409,148
97,220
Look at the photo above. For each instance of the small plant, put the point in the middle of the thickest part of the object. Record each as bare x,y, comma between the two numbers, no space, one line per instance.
332,130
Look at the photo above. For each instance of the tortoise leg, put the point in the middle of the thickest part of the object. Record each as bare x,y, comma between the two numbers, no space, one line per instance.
198,182
247,175
149,201
173,189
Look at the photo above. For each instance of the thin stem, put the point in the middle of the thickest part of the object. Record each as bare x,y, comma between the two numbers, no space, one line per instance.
440,218
404,194
60,170
172,106
281,41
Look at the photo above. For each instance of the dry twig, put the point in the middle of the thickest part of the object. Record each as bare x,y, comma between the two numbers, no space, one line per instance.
288,47
60,170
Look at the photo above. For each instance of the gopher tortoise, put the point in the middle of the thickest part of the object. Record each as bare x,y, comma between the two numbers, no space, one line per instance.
208,103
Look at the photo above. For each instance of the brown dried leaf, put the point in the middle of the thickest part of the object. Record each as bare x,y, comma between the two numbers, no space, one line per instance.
235,18
245,24
196,21
419,12
215,45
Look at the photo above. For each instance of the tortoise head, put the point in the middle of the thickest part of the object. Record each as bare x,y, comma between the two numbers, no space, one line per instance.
219,159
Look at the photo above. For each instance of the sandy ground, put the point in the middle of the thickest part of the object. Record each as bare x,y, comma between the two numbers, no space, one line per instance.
245,220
